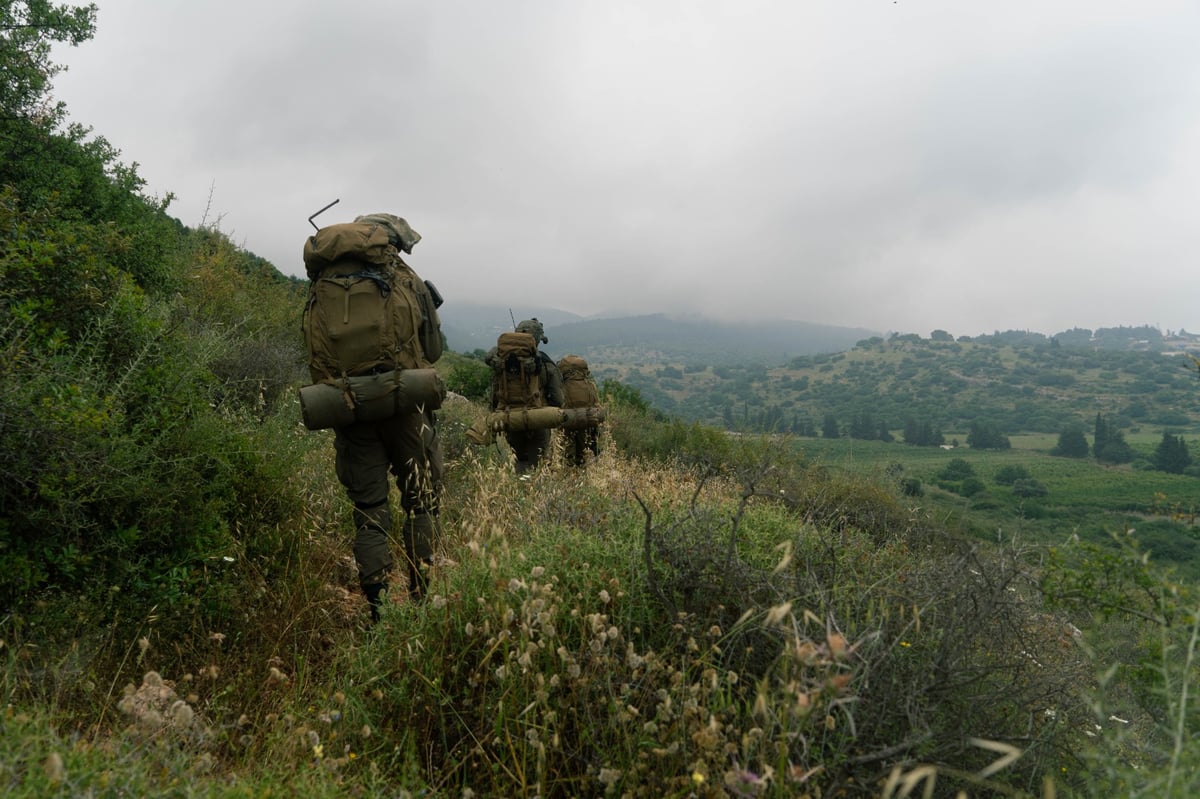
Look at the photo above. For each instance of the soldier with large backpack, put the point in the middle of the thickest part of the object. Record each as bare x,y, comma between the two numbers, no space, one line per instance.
579,391
370,321
525,378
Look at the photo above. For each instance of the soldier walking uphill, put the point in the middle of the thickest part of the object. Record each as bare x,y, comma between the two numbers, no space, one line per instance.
369,314
524,377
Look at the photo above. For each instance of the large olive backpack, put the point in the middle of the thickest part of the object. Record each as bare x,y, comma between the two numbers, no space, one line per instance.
579,389
365,305
516,376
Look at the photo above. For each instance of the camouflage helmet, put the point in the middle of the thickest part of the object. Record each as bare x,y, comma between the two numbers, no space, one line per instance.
401,236
534,328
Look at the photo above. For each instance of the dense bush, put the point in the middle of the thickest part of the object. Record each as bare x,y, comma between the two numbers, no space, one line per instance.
1009,474
1029,487
956,469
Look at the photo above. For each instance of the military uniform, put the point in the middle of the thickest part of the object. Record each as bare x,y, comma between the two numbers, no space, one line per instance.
405,445
530,446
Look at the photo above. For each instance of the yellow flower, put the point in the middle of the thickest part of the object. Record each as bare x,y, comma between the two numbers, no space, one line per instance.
697,778
318,751
905,643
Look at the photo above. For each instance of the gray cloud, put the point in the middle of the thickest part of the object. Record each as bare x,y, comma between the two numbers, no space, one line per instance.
899,166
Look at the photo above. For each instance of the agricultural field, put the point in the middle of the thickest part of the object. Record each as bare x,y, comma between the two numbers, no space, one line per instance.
1082,498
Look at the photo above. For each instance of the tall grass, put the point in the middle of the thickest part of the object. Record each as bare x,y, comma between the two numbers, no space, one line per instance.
720,623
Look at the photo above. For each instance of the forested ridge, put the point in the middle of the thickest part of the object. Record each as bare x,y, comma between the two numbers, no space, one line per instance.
694,614
1020,382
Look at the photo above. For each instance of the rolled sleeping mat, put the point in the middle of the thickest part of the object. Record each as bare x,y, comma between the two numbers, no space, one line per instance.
483,431
581,418
371,398
543,418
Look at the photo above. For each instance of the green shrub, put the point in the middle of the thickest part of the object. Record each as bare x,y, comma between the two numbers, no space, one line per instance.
1029,488
1009,474
971,486
469,377
956,469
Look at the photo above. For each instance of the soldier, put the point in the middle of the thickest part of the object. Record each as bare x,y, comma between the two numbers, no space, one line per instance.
579,391
536,384
405,444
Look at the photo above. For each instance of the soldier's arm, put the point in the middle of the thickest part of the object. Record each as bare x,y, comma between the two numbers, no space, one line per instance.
433,341
554,381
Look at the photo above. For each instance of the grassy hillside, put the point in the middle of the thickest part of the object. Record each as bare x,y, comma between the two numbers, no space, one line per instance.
691,615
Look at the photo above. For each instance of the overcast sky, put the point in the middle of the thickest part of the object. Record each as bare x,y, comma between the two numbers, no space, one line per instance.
899,166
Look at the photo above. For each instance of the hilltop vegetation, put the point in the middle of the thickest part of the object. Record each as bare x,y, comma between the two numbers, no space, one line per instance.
1020,383
694,614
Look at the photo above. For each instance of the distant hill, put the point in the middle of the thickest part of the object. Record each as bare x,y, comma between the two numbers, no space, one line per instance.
471,326
1018,381
652,339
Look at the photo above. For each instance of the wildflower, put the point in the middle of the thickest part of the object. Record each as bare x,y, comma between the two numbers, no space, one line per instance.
182,714
604,596
778,613
318,751
56,772
697,778
905,644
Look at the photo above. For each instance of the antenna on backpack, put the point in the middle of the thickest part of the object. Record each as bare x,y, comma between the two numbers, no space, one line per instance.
323,210
513,318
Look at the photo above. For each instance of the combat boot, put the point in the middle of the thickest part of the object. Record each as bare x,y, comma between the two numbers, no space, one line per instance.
375,595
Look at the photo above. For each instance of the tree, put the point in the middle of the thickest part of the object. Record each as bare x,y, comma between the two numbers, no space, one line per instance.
27,31
829,427
863,427
922,434
1072,443
987,435
1109,445
1172,455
